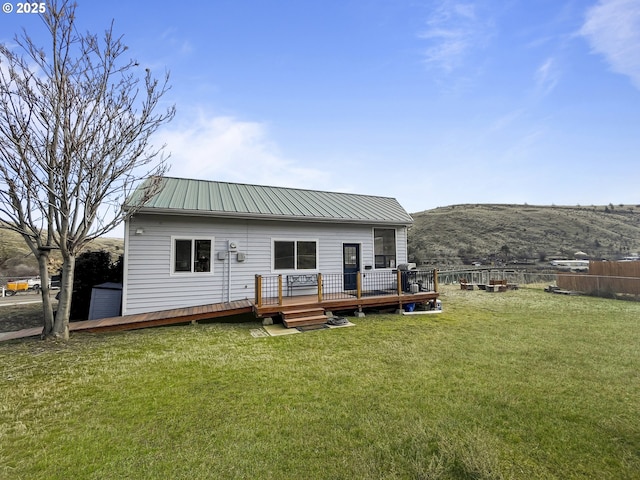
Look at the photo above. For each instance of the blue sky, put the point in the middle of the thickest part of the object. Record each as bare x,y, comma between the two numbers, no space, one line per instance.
432,102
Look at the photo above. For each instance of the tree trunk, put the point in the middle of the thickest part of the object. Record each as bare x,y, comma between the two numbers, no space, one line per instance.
47,307
61,323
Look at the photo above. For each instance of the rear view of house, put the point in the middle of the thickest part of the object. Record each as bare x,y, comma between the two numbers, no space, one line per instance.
201,242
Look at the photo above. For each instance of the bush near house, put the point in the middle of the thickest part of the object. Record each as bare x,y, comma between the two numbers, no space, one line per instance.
92,268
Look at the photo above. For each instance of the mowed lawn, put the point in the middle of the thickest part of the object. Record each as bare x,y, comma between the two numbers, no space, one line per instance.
517,385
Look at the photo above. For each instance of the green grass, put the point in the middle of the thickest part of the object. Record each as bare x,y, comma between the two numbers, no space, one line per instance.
513,385
18,317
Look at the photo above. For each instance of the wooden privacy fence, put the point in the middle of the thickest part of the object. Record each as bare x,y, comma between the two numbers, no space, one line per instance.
615,269
604,277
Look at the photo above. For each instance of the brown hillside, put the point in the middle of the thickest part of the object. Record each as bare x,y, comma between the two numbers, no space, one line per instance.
16,259
486,232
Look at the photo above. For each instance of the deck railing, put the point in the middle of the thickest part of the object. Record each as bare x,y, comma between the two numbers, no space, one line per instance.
271,289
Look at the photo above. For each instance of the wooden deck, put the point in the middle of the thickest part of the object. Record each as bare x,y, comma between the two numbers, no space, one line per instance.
271,308
144,320
293,305
166,317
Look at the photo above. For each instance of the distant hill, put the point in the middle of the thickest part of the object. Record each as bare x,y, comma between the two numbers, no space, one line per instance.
523,233
16,259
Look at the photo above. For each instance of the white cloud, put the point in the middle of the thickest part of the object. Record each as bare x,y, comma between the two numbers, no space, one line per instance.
453,30
506,121
172,37
612,28
547,76
228,149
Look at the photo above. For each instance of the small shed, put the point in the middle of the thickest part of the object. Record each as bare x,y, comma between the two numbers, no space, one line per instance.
106,301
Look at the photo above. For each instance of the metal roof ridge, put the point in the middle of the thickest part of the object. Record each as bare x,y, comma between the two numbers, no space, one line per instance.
333,192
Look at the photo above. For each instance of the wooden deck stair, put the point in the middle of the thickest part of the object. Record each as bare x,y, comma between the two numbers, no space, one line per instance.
303,317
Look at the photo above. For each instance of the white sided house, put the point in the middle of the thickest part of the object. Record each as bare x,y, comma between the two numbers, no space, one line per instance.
201,242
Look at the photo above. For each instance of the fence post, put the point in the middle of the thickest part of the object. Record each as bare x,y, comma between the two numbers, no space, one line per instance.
435,279
399,282
280,289
358,285
319,287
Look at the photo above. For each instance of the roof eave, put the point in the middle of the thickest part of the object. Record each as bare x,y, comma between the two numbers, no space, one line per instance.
259,216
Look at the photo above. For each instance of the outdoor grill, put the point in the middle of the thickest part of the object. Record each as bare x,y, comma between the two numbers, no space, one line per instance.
408,276
404,267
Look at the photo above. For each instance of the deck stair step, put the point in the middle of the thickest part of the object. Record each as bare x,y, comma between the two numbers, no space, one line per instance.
303,318
303,312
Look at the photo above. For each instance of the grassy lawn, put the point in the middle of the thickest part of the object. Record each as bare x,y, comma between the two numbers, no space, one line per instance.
516,385
18,317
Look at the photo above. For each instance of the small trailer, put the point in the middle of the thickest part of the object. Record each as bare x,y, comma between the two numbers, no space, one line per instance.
13,287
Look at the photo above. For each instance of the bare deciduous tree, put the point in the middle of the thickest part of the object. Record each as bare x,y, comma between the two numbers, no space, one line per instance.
75,127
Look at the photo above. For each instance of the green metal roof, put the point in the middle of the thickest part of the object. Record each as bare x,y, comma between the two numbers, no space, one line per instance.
208,198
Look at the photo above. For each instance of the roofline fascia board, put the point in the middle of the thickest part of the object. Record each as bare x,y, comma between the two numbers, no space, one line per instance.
252,216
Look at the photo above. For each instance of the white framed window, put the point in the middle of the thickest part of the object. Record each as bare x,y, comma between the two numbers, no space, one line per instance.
295,254
191,255
384,247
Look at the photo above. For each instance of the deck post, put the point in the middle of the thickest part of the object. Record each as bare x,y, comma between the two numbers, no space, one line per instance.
280,289
258,291
359,285
435,279
319,287
399,292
